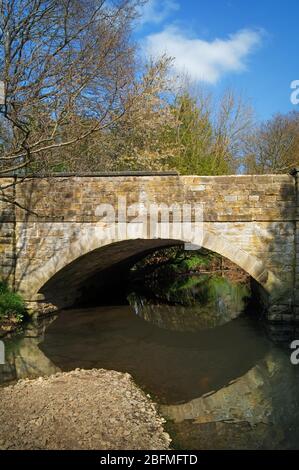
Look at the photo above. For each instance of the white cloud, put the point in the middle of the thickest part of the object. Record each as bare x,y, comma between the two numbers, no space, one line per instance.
203,60
156,11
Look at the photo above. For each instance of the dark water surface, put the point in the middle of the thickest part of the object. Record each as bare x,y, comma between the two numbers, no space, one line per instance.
226,386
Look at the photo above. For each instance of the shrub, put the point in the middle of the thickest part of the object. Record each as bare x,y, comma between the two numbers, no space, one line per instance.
12,306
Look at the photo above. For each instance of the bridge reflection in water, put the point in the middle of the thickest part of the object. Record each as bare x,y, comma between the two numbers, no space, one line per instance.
225,387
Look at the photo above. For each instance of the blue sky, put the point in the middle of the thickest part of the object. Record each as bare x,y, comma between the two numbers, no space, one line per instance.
250,45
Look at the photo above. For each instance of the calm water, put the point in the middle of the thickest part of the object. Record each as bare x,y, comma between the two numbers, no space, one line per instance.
221,381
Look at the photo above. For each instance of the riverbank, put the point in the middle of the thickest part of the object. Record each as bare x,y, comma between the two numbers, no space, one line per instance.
82,409
12,309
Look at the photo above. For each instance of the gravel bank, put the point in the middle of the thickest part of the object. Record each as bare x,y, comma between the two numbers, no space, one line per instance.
82,409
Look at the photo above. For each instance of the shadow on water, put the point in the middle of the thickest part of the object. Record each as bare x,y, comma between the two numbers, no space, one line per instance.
175,366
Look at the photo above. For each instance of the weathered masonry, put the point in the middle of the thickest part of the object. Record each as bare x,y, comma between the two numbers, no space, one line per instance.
55,246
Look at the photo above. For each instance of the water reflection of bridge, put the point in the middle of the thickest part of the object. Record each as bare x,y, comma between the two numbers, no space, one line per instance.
259,410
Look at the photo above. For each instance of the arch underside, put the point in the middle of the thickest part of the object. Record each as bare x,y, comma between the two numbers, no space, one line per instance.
61,278
65,286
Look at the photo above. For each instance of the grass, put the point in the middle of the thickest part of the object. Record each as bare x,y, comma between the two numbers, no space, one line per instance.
12,306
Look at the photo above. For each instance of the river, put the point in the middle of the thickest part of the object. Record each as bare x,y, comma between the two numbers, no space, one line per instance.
221,377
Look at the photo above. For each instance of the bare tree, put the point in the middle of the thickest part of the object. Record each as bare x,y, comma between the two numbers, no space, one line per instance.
233,122
274,146
67,68
137,141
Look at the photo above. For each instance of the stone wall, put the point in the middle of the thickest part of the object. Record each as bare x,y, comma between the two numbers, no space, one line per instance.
251,220
295,174
7,232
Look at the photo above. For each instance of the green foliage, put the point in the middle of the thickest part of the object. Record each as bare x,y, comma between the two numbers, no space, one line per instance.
59,167
220,287
189,290
176,260
195,261
12,306
202,149
206,289
193,136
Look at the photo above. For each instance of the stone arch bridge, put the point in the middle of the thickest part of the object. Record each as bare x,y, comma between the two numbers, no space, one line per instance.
49,250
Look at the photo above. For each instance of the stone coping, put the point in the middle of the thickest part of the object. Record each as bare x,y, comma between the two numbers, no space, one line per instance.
293,172
95,174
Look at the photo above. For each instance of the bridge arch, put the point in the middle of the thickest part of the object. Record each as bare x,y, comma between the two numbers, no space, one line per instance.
60,278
